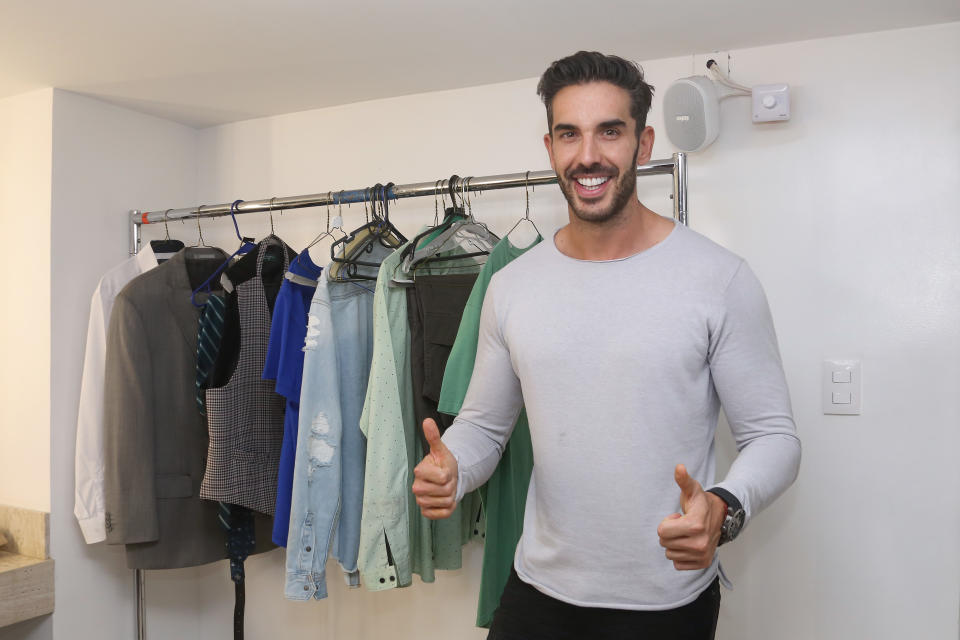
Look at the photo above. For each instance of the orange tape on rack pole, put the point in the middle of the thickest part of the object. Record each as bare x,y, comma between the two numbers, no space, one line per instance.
143,218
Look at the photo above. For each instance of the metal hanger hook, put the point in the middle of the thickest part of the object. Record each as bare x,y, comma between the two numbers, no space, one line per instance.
200,241
436,209
329,200
272,202
165,227
526,189
465,183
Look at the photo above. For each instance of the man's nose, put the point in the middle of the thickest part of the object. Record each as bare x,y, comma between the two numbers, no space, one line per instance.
589,152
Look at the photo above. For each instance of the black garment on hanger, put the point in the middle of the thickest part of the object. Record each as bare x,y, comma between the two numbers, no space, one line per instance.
435,306
244,269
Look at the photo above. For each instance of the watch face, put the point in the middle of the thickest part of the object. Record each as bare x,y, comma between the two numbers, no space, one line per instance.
735,521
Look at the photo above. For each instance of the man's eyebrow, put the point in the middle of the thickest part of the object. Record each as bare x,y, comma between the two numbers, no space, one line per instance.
611,123
562,126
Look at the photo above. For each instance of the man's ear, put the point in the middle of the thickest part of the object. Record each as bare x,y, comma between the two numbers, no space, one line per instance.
548,143
645,146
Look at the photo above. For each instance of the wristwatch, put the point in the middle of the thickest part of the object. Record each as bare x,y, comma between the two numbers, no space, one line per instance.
733,523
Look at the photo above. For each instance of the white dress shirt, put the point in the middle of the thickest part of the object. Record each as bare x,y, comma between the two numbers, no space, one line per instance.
88,502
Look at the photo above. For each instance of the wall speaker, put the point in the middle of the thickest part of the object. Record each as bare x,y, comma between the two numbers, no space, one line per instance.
691,109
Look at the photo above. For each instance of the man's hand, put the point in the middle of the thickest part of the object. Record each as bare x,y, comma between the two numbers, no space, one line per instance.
435,478
691,539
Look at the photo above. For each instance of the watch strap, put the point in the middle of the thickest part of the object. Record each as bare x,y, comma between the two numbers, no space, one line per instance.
733,504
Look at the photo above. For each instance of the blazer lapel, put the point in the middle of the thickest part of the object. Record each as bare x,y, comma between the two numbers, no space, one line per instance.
186,316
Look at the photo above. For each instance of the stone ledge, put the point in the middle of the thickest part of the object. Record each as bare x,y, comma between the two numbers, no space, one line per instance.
26,588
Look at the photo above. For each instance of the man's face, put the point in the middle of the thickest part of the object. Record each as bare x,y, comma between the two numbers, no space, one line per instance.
594,149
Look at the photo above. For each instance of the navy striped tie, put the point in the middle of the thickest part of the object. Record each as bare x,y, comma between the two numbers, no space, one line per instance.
208,344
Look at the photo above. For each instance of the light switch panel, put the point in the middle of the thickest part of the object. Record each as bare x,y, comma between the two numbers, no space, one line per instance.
842,387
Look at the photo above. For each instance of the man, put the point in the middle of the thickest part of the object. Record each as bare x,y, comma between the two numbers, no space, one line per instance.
626,333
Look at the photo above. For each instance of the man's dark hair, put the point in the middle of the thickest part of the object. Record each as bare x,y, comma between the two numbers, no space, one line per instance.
592,66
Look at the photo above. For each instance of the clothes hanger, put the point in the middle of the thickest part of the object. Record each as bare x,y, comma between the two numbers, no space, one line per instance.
164,249
424,242
465,238
346,252
327,233
200,241
526,217
246,246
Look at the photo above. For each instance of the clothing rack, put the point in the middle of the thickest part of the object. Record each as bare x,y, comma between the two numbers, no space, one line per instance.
675,166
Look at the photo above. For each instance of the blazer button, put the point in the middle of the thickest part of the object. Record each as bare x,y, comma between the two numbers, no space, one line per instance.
308,549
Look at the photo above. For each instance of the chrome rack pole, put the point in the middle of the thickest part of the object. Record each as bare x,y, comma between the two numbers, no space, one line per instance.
505,181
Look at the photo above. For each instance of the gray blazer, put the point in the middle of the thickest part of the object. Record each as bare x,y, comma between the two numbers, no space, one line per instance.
155,440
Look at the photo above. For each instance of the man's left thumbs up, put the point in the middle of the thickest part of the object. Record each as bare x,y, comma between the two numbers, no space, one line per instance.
691,539
690,489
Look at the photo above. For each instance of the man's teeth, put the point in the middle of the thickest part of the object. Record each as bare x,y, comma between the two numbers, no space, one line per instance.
592,183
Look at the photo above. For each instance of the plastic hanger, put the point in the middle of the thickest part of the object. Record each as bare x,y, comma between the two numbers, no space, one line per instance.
346,252
439,232
464,238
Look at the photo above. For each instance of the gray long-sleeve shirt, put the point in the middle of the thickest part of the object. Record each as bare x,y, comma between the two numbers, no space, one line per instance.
623,366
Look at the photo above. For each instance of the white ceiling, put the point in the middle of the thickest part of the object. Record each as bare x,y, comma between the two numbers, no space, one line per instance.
207,62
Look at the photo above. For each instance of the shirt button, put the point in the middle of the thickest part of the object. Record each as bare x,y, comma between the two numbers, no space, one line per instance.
382,581
306,587
309,548
392,578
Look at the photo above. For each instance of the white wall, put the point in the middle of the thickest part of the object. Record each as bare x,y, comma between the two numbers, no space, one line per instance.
25,148
106,160
847,213
25,158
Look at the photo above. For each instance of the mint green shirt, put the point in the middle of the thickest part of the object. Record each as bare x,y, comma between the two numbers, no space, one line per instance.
396,541
505,493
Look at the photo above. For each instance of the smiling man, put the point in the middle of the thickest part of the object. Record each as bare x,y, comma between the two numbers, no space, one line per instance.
622,337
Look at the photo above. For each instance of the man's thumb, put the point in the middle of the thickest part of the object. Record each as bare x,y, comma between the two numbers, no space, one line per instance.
688,486
432,433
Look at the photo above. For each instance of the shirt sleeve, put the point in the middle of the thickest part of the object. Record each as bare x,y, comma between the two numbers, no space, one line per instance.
748,376
88,465
480,432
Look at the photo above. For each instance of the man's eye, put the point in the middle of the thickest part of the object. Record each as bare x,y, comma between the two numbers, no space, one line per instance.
566,135
611,133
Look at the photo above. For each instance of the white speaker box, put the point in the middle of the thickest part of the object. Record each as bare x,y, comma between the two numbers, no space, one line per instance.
691,109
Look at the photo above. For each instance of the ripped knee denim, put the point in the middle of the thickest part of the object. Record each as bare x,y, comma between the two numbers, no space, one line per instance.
329,468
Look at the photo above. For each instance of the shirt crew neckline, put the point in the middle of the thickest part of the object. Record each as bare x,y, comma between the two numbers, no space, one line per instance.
640,254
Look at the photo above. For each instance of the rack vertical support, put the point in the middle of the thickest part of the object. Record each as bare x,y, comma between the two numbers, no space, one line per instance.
134,233
680,188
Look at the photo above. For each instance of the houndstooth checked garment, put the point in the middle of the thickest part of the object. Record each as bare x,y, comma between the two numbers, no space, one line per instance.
245,416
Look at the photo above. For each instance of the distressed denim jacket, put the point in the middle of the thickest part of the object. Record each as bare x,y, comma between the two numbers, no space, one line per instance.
329,468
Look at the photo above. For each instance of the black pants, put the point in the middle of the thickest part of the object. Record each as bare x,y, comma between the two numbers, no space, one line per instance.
526,614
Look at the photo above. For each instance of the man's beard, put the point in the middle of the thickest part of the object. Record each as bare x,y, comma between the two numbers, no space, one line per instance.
624,184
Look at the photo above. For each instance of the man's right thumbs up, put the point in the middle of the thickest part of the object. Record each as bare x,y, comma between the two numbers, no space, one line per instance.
435,478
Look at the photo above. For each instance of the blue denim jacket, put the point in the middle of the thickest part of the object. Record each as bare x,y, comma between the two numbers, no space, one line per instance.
329,469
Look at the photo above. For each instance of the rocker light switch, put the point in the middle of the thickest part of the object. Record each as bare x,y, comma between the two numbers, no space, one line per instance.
841,387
